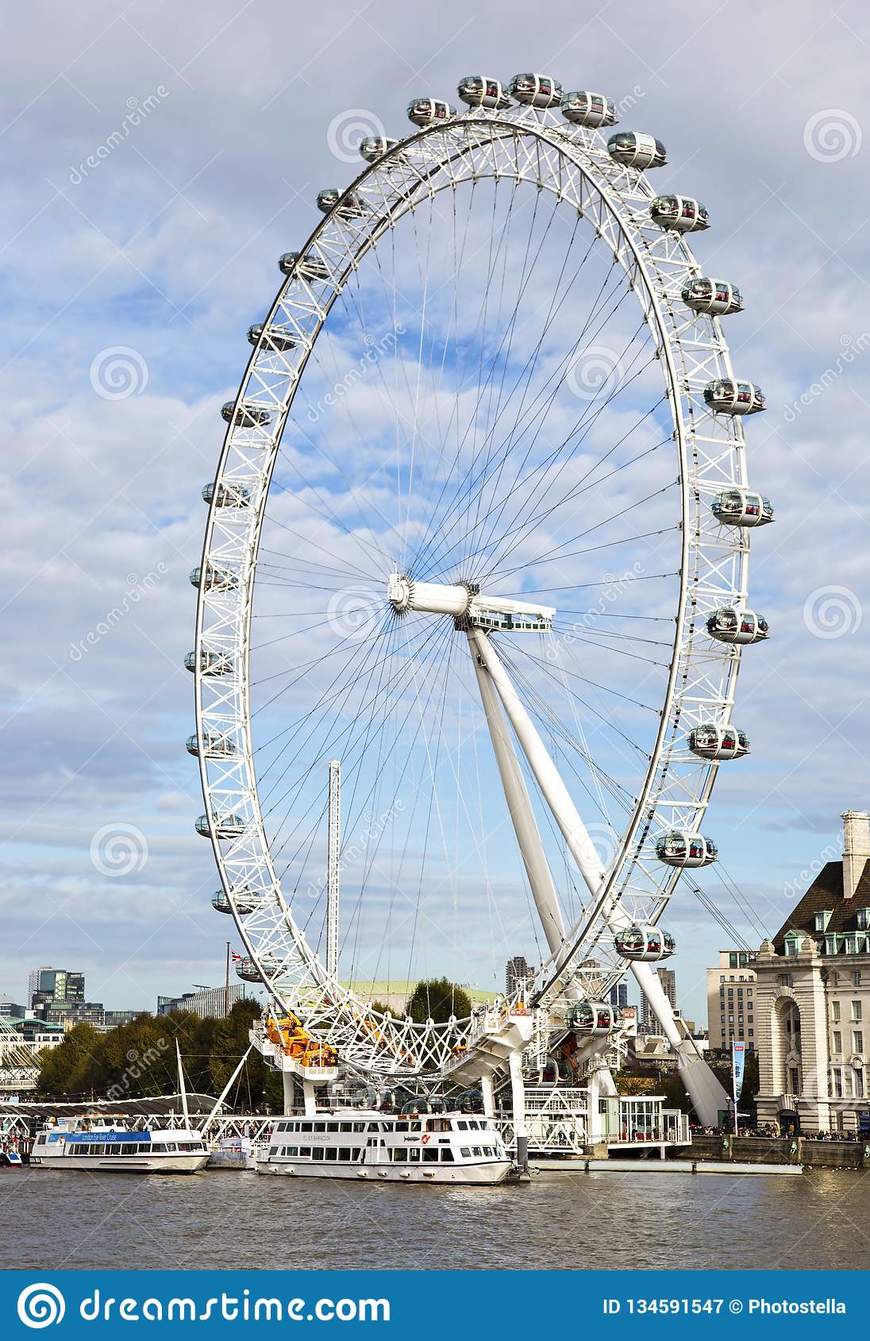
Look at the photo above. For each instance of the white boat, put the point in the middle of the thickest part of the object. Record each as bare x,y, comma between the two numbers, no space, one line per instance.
95,1147
365,1144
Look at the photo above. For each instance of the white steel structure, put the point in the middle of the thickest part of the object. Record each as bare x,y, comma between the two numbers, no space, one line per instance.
493,386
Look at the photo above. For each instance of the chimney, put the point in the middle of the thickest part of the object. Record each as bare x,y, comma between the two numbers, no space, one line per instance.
856,848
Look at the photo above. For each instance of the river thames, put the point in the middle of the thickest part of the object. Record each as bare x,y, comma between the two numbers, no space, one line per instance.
54,1220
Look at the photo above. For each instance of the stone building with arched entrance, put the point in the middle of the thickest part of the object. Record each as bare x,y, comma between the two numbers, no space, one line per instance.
812,999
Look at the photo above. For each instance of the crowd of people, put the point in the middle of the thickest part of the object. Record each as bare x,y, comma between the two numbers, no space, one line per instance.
772,1131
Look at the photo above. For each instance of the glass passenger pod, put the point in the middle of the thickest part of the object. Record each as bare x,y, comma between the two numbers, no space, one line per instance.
244,415
245,900
210,663
713,296
730,397
226,495
307,267
680,214
212,578
223,826
535,90
593,1018
738,627
684,849
429,111
346,206
481,91
589,109
374,147
213,746
741,507
635,150
646,944
711,741
276,338
249,972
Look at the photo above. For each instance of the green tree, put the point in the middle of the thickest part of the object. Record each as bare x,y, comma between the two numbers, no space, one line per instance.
437,999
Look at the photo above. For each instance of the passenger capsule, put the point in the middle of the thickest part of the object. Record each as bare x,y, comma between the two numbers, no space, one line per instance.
710,741
429,111
741,507
481,91
226,495
644,944
713,296
277,338
244,415
374,147
346,205
535,90
307,267
635,150
248,970
728,397
213,746
223,826
210,663
593,1018
589,109
213,578
679,214
690,850
737,626
245,900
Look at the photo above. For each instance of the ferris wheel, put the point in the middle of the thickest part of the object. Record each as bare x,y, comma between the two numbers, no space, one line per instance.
480,531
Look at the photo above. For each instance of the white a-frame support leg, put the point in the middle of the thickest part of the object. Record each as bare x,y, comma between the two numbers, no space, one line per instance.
707,1095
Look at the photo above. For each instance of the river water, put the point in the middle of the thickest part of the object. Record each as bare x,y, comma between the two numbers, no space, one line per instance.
52,1220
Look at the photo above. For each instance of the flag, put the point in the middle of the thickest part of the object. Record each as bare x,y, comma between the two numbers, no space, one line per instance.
237,959
738,1062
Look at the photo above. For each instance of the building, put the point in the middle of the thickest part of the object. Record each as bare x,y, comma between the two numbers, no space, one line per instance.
113,1019
648,1022
619,995
812,999
209,1003
49,987
517,975
731,1000
71,1013
9,1010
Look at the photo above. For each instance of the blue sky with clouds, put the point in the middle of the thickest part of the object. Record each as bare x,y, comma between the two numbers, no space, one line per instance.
157,160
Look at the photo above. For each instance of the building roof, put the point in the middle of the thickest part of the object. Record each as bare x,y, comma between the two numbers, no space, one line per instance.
825,894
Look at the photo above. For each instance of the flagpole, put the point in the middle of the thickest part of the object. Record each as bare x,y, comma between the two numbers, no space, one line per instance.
227,985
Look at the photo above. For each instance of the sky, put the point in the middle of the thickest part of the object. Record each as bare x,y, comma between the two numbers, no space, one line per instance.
157,160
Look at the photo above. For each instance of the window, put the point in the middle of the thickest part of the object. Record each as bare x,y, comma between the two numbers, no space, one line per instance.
465,1151
331,1152
430,1155
835,1012
856,978
838,1082
836,1041
856,1010
317,1152
400,1155
858,1040
446,1156
785,979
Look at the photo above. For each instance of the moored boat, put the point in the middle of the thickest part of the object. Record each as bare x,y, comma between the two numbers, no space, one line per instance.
95,1147
365,1144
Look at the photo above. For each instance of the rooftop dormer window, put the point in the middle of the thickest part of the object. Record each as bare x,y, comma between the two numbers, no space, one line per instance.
822,919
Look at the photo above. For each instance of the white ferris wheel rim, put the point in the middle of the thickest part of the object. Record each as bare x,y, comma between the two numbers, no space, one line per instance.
573,163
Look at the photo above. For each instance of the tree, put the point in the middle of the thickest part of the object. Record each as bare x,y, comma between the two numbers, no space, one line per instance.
437,999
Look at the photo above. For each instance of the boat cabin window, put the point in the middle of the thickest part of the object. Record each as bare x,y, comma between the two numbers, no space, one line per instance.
446,1156
317,1152
430,1155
